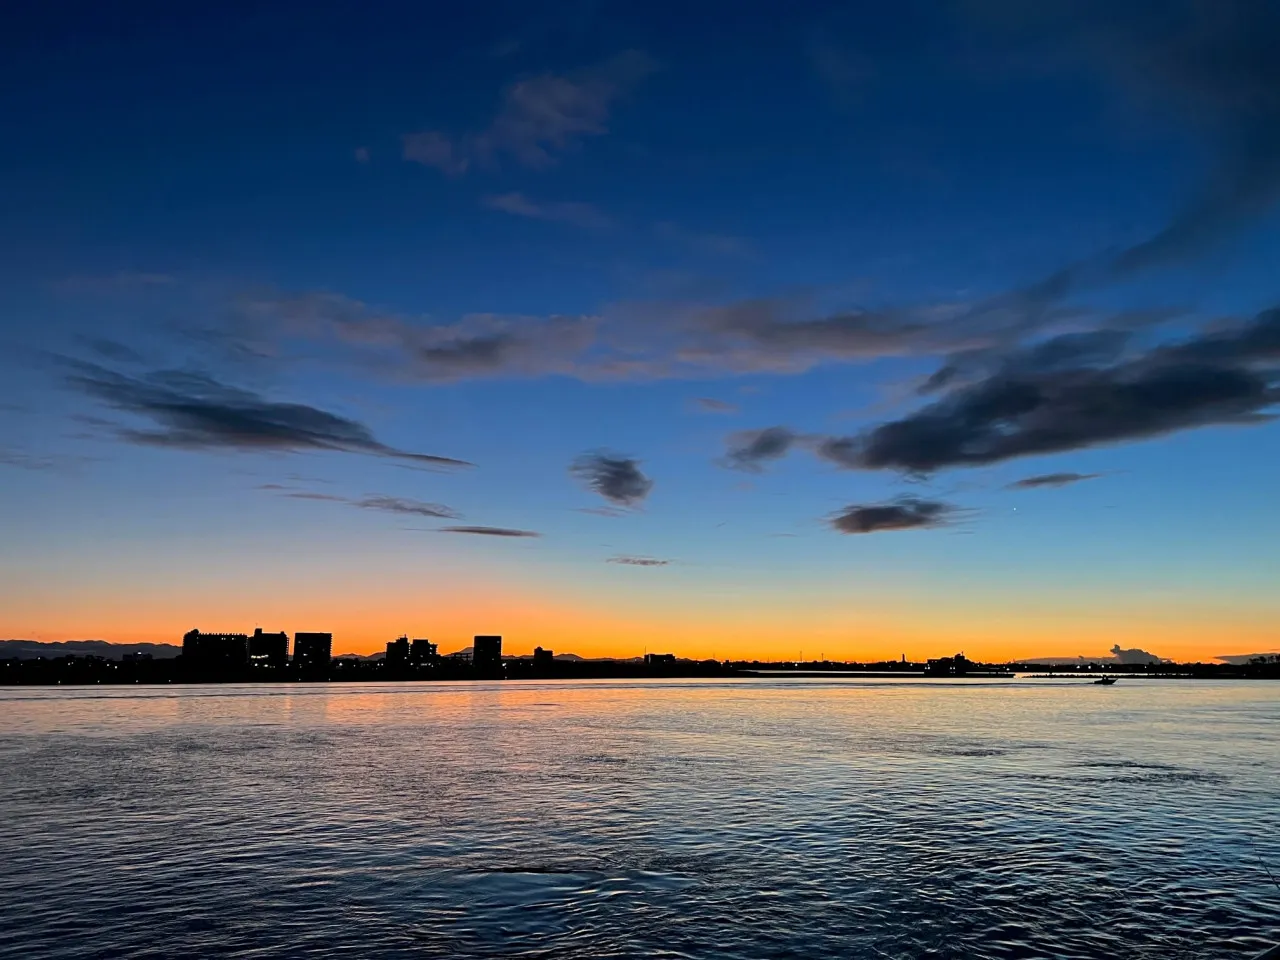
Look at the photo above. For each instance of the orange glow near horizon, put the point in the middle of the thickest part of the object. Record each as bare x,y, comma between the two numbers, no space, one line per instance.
566,625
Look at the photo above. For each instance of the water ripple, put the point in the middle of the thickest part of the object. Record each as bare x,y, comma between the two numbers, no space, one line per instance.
587,820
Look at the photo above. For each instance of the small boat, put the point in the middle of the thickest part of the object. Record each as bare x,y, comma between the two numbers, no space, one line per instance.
1105,681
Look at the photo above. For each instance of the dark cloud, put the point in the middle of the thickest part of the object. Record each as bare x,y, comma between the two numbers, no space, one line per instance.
712,405
905,513
750,449
310,495
638,561
845,452
540,118
1045,356
193,411
404,505
491,531
1028,407
1009,417
616,478
1051,480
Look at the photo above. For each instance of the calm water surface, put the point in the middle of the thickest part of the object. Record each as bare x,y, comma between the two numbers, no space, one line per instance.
760,818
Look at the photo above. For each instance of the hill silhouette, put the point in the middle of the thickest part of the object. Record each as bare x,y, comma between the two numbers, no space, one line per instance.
32,649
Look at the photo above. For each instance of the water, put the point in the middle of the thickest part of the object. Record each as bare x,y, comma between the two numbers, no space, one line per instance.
759,818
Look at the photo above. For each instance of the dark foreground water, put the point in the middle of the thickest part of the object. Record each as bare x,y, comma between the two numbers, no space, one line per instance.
800,818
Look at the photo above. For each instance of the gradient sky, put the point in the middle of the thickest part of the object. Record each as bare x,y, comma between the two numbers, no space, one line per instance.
847,329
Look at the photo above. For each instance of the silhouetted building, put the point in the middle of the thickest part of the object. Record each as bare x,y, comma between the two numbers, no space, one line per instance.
215,651
268,649
486,656
397,654
422,652
312,652
542,658
948,666
660,659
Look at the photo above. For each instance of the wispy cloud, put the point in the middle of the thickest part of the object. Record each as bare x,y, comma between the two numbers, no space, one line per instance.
431,148
540,118
491,531
113,350
905,513
399,505
582,215
1211,64
615,477
658,341
712,405
479,345
1051,480
638,561
1216,61
603,511
193,411
404,505
750,450
23,460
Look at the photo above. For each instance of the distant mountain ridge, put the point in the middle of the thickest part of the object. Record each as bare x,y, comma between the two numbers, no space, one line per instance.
33,649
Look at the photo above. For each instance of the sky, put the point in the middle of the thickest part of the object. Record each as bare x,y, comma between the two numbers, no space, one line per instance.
846,330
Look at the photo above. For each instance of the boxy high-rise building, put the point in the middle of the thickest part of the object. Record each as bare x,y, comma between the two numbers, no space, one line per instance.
214,651
486,656
397,654
421,652
268,649
312,652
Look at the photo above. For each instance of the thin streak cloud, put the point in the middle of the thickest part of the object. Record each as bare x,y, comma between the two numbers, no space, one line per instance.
1051,480
490,531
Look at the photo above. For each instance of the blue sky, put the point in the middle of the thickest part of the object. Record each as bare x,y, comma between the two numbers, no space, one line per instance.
255,256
